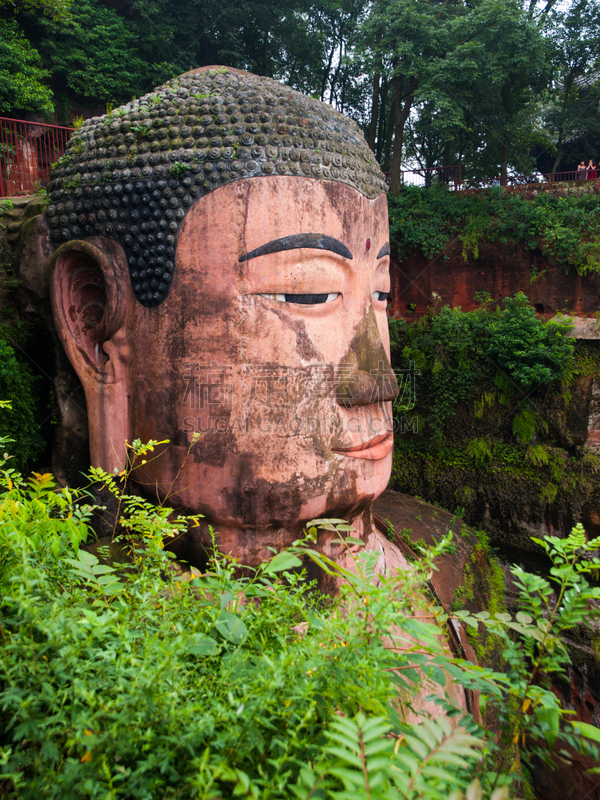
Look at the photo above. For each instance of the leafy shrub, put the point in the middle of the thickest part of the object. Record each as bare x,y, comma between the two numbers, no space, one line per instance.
135,680
493,399
463,357
532,352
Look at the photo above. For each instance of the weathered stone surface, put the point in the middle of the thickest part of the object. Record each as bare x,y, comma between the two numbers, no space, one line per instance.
24,276
239,382
501,270
426,524
33,253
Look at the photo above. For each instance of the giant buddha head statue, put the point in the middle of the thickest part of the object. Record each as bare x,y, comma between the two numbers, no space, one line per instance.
220,281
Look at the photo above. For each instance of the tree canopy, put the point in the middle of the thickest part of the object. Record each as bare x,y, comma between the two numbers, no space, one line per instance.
497,85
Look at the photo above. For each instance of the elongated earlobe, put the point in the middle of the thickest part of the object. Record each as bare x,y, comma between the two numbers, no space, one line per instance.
89,298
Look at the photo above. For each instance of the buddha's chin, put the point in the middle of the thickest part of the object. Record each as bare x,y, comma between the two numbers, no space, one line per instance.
342,484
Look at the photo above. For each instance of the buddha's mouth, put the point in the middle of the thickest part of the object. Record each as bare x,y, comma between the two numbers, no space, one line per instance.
374,449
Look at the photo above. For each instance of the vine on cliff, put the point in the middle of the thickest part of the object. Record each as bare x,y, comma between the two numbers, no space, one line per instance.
19,385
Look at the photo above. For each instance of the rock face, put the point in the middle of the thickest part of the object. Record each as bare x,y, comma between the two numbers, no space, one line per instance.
501,270
467,578
593,423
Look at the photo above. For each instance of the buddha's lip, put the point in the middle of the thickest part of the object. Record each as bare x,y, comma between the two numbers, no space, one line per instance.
375,448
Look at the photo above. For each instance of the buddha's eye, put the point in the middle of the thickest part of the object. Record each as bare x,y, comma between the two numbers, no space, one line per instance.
381,296
303,299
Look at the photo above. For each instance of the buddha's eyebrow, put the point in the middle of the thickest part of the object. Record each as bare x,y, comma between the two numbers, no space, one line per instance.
385,251
319,241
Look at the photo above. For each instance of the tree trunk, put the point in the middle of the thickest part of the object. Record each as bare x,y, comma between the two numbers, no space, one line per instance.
398,131
507,103
383,124
401,113
374,112
327,72
560,143
336,74
559,149
375,98
389,135
265,48
504,162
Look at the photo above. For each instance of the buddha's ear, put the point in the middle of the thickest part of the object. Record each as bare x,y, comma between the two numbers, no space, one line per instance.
88,304
90,293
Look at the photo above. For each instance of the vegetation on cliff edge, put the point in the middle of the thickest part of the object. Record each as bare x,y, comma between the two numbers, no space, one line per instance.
565,227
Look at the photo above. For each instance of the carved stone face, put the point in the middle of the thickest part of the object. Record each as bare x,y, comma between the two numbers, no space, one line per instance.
272,347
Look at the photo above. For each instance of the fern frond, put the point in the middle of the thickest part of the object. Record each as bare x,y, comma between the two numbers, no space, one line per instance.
432,758
362,767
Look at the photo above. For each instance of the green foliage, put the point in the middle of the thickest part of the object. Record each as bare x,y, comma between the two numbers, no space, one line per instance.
514,485
566,228
548,610
496,406
93,55
482,586
178,169
389,530
569,106
482,83
524,425
532,353
57,9
480,358
22,77
138,680
370,765
18,385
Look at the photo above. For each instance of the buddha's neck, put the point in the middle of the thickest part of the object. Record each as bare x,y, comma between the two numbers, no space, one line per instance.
253,546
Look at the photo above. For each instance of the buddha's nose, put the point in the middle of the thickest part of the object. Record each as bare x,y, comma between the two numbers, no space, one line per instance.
365,374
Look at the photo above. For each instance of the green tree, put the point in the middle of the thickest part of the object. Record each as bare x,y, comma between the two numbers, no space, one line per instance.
94,55
22,86
570,105
533,354
57,9
416,36
449,65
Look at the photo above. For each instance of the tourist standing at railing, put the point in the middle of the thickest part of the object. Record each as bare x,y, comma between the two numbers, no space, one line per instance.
591,170
581,171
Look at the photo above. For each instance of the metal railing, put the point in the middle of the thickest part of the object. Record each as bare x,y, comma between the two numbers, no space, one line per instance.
27,152
536,179
450,176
